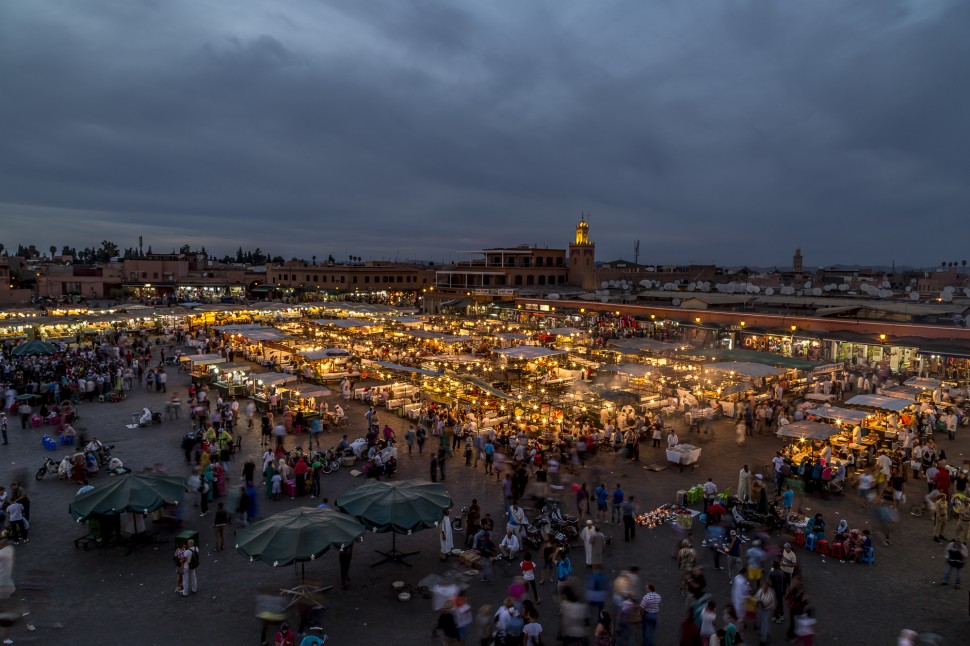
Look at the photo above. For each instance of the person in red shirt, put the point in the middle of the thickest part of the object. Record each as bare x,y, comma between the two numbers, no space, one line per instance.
942,479
528,569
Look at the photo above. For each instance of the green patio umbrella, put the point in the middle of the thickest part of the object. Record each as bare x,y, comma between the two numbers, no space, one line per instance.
399,507
34,347
129,493
297,535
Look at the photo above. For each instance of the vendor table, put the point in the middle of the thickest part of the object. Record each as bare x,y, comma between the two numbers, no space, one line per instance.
684,455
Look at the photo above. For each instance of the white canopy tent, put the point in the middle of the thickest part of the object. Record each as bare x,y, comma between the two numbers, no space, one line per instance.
808,430
273,378
879,401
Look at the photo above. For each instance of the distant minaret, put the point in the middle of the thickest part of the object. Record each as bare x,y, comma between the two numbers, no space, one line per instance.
582,256
796,261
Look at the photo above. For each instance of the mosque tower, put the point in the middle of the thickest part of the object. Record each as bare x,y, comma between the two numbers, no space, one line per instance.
796,261
582,256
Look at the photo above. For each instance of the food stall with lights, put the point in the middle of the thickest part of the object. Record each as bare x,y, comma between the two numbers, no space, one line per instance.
266,384
805,438
199,365
729,382
880,406
304,398
231,378
327,364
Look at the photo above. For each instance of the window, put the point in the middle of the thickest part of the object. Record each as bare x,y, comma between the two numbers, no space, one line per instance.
366,279
400,279
354,280
155,275
559,261
538,262
542,280
518,279
552,280
529,280
562,280
144,274
316,278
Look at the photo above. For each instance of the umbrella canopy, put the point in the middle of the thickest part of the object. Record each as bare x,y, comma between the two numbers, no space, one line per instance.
135,493
27,397
300,534
399,507
34,347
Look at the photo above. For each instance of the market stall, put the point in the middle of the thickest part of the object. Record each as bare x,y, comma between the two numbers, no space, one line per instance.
199,365
304,398
327,364
230,378
265,386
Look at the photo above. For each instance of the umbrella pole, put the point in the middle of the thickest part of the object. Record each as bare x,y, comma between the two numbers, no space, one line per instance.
393,555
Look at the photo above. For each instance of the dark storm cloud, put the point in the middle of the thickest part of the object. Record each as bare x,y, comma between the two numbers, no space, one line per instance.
727,131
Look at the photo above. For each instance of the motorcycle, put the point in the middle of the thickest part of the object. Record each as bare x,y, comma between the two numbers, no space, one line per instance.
50,468
330,461
564,523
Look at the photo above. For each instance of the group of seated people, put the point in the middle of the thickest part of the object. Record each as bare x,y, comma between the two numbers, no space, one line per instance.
854,542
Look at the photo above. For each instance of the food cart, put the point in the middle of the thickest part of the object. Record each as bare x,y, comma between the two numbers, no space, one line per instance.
198,365
266,384
327,364
304,398
230,378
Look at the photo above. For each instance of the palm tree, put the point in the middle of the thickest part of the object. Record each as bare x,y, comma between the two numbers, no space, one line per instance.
53,251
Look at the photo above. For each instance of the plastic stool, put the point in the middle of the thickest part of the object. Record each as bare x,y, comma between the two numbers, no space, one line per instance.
63,440
70,440
810,542
823,548
868,556
798,538
838,551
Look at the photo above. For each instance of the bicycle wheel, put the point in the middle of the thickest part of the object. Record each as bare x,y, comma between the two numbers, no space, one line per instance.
456,524
917,510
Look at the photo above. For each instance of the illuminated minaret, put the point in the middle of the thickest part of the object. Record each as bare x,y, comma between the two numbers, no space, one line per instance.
582,256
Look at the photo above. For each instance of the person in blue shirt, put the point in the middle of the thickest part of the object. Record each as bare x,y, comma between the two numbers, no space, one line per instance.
787,499
617,504
602,496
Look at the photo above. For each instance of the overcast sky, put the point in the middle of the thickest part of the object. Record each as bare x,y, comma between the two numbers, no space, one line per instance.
727,131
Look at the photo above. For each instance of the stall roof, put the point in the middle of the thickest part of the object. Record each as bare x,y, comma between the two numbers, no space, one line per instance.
264,334
755,356
325,353
454,358
880,402
632,369
923,383
528,352
808,430
401,368
204,359
229,366
513,336
745,368
345,323
645,345
487,387
900,392
237,327
310,390
273,378
849,415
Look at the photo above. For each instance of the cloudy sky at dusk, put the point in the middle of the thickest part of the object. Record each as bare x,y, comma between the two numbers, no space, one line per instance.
726,131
